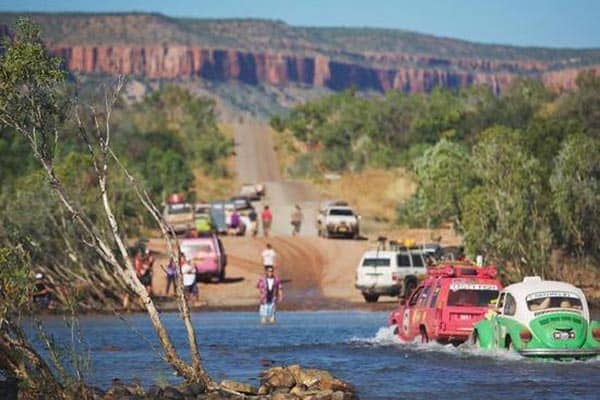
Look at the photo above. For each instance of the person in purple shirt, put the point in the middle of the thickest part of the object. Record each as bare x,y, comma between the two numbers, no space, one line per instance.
271,293
234,225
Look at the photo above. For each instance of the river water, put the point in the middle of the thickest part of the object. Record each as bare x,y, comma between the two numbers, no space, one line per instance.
355,346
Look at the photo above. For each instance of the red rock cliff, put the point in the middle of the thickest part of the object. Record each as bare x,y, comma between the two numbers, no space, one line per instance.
407,72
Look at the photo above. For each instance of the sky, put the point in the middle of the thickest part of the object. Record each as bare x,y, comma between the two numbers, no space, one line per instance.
545,23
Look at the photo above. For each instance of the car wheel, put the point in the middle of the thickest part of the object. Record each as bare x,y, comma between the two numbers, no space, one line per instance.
424,336
370,297
222,275
395,329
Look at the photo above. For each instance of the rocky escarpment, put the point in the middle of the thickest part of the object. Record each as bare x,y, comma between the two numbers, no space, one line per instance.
408,73
273,53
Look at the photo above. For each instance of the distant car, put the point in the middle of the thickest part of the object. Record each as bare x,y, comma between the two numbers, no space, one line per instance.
389,273
445,306
539,318
241,203
261,189
203,219
217,214
179,216
250,190
338,219
207,256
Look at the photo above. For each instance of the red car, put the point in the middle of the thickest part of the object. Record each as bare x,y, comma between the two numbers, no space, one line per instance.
444,307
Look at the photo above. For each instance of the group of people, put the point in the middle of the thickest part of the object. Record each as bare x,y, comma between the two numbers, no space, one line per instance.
190,281
266,219
269,285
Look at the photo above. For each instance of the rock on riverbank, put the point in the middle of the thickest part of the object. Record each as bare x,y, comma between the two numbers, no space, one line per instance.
277,383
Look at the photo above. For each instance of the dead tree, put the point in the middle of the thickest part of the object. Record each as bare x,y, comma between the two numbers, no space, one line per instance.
31,94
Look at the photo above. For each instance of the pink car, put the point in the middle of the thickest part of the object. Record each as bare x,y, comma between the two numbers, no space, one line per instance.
207,255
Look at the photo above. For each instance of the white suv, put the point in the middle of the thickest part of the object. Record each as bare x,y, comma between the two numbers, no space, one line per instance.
389,273
338,219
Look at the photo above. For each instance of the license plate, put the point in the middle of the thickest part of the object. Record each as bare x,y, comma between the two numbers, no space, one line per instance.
464,317
558,335
342,229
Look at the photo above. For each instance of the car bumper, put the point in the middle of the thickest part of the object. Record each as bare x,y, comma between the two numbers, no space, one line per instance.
566,353
384,290
182,227
348,231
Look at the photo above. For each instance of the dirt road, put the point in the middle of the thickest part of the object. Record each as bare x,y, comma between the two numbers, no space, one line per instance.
317,273
256,162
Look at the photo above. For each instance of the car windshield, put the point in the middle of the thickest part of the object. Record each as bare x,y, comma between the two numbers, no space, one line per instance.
376,262
557,299
341,211
472,297
194,249
179,209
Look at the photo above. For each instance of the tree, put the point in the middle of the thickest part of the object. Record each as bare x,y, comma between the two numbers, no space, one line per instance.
502,215
31,84
583,105
445,176
575,184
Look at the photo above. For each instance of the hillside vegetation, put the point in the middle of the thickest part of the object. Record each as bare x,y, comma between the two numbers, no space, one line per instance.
170,142
518,175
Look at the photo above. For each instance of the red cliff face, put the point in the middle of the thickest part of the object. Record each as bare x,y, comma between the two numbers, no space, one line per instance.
406,72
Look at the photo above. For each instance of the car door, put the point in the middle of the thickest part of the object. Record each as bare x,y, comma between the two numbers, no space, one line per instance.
408,327
375,271
497,321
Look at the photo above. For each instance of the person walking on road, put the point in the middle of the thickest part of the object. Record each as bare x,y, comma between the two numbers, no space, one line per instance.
271,293
253,217
297,218
269,256
267,218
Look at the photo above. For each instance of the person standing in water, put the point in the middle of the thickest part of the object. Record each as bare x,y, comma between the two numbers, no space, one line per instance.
271,293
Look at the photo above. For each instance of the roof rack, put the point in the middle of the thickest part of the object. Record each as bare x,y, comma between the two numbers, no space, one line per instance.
464,268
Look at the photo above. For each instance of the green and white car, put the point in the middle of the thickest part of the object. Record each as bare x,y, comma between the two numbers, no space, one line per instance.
539,318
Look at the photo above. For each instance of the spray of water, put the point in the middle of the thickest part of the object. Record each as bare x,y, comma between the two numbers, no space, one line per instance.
387,336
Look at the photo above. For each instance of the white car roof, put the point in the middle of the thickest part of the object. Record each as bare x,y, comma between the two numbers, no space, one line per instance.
535,284
379,254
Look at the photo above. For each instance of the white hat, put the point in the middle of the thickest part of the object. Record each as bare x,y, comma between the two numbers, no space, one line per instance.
39,275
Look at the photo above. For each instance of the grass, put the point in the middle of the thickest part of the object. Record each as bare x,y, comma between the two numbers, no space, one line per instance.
374,192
